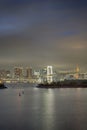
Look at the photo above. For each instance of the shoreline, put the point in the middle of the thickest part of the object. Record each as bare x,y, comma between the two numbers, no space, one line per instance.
65,84
2,86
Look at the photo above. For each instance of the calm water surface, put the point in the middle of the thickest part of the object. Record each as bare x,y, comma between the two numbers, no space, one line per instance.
42,109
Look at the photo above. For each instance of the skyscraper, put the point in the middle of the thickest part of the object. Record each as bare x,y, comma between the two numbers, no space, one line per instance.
18,72
49,74
29,72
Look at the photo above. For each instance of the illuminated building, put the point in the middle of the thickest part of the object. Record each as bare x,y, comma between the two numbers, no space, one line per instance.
74,74
2,74
49,74
29,73
18,72
77,73
5,74
30,76
42,77
8,74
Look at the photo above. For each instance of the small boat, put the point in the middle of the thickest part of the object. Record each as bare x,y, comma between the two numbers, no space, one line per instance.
19,94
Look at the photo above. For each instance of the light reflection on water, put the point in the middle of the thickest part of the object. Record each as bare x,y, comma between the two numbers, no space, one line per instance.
43,109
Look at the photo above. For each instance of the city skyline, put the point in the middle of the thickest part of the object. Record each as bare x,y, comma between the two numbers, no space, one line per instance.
45,74
45,32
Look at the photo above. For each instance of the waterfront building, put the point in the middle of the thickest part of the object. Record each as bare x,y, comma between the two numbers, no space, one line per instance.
5,74
36,75
76,75
29,72
2,74
18,72
43,75
49,74
8,74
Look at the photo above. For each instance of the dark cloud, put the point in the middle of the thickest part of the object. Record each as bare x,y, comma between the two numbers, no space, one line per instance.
43,32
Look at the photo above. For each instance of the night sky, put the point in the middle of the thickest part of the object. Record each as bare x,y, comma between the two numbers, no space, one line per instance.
44,32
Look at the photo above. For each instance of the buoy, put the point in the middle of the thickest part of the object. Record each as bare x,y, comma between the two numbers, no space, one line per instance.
19,94
22,92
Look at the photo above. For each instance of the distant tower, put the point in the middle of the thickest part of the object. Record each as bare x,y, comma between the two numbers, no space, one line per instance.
49,74
77,69
77,72
29,72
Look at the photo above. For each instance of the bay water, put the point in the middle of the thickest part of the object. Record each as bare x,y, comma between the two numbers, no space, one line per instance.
25,107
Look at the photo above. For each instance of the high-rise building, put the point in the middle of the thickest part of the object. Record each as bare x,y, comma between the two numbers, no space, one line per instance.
18,72
49,74
29,72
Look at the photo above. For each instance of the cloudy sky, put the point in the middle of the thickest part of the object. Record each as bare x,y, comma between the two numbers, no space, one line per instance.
43,32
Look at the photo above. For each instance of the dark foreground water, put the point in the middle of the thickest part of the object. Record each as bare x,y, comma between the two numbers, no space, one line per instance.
43,109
